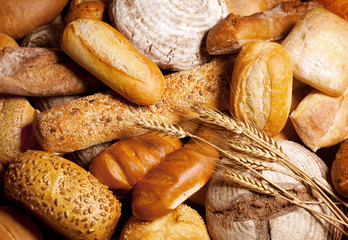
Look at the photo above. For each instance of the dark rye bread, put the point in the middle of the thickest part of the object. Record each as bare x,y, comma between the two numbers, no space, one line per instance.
107,116
234,212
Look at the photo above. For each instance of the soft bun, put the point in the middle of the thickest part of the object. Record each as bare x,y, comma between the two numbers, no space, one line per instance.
183,223
19,17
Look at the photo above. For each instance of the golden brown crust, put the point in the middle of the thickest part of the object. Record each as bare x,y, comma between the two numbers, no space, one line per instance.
125,162
20,17
170,183
339,7
183,223
108,55
249,7
262,85
232,33
7,41
107,116
63,195
339,170
89,9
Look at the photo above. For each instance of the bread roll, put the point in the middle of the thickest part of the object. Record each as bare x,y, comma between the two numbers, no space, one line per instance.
108,55
170,33
7,41
321,120
170,183
235,212
19,17
15,224
125,162
89,9
43,72
261,86
63,195
339,170
318,48
183,223
103,117
16,130
233,32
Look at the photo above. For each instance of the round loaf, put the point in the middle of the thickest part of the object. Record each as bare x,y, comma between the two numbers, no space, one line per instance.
234,212
261,86
19,17
7,41
63,195
46,36
184,223
170,33
17,225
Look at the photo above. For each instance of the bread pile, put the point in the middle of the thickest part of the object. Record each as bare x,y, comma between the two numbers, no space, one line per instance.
78,82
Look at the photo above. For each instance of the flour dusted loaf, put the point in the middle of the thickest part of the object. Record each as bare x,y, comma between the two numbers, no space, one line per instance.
64,196
234,212
45,36
171,33
318,48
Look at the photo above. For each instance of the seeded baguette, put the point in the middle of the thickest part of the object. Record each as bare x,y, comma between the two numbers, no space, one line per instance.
63,195
107,116
108,55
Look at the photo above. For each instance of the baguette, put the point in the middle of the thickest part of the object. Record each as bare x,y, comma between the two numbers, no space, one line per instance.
42,72
232,33
126,162
108,55
107,116
170,183
249,7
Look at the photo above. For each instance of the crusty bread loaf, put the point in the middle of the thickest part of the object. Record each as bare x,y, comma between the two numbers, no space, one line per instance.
16,130
108,55
7,41
45,36
339,170
261,86
89,9
179,175
230,34
170,33
106,116
126,161
321,120
318,48
43,72
15,224
19,17
63,195
183,223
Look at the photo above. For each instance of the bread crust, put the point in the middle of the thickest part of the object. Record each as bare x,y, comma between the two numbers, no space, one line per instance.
107,116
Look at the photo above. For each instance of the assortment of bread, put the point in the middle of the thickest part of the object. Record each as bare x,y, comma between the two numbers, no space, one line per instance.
81,83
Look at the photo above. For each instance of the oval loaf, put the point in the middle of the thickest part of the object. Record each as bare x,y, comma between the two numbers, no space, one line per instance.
63,195
108,55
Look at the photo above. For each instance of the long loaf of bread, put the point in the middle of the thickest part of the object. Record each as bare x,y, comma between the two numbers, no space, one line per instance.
107,116
232,33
